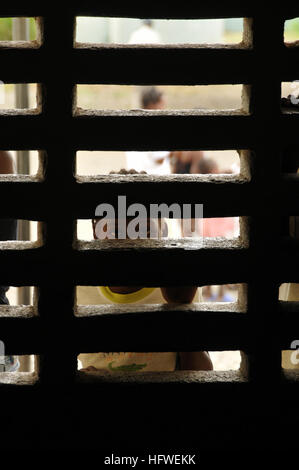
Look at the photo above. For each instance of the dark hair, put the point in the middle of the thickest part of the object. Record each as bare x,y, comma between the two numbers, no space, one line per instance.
150,95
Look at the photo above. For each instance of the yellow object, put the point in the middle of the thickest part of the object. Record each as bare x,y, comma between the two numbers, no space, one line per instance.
132,297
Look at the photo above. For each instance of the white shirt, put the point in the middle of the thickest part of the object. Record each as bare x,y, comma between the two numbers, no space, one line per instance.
148,161
145,35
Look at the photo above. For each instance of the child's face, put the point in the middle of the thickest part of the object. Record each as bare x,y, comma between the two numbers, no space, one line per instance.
104,230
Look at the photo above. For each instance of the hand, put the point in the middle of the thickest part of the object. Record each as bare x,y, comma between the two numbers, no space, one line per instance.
179,294
195,360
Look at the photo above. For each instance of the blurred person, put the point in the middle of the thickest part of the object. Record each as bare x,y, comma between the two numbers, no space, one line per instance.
195,162
207,165
217,227
221,295
152,98
156,163
220,226
145,34
8,231
185,162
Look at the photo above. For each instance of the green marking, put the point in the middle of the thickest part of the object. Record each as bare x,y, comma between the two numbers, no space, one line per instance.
127,368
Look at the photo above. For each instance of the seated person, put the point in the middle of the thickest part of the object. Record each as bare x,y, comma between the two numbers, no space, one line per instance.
136,361
186,162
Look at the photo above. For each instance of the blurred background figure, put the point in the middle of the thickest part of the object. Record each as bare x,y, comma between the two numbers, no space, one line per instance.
206,165
145,34
185,162
222,293
152,98
217,227
157,163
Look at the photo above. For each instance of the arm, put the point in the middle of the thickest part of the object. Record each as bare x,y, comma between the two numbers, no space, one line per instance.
181,294
195,360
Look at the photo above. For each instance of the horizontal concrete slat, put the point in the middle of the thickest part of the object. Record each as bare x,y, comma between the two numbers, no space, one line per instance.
95,130
165,65
165,10
162,328
170,63
221,196
145,328
222,262
173,130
